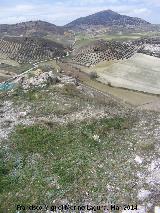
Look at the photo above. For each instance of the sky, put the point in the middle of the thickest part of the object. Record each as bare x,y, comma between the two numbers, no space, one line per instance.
61,12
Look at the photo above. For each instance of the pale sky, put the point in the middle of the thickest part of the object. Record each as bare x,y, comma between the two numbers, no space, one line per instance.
61,12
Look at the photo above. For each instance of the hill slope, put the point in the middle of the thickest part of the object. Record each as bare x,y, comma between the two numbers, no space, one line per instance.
100,50
64,144
30,28
107,18
26,49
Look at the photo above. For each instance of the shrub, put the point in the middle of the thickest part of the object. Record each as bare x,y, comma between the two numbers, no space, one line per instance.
93,75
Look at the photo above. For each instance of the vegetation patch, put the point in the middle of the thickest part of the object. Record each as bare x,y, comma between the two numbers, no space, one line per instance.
74,162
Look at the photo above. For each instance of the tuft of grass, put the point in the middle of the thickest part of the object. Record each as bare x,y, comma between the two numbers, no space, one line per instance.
145,146
4,172
31,95
70,90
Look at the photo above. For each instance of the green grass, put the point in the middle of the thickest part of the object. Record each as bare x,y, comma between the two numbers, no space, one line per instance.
51,64
17,69
5,181
64,40
86,39
65,162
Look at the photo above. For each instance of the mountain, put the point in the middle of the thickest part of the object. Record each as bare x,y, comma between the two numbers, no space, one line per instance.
30,28
106,18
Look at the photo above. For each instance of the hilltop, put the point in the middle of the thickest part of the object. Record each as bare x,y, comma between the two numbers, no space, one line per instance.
106,21
107,18
30,28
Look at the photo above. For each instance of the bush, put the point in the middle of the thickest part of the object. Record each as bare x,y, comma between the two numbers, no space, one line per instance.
46,68
93,75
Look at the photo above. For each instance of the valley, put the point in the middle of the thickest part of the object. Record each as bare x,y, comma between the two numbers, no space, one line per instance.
80,113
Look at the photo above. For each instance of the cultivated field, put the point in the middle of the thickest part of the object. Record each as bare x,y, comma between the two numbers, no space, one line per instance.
140,73
85,39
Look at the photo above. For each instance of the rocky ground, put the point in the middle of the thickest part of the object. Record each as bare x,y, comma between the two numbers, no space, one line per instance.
64,143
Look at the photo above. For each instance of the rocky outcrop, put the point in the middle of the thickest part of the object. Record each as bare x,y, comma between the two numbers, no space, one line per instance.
39,79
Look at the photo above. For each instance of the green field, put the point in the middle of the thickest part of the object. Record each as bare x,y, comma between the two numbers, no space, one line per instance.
7,70
85,39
